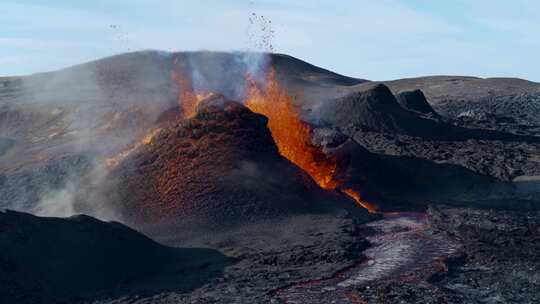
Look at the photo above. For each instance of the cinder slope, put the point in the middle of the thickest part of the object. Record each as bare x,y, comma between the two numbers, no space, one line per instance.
218,169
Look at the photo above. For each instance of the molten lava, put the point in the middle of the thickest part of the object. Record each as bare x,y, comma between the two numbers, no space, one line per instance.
356,197
292,135
289,132
112,162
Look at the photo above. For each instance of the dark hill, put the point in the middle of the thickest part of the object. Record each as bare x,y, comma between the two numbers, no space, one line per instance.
57,260
373,107
415,101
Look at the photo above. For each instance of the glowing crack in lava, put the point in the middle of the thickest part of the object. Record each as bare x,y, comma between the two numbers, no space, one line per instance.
292,135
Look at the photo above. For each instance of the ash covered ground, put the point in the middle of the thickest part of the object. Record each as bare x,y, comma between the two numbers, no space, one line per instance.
225,207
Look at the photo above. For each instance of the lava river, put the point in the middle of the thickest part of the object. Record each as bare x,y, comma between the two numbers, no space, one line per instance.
402,248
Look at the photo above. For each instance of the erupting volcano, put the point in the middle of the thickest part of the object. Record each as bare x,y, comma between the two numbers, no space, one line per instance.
292,135
248,164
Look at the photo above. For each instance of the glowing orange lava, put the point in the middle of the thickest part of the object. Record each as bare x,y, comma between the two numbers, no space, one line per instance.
356,197
112,162
289,132
292,135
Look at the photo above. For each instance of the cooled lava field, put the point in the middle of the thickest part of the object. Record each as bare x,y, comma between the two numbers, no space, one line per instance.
210,177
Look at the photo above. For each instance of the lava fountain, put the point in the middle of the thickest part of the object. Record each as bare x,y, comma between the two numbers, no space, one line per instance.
292,135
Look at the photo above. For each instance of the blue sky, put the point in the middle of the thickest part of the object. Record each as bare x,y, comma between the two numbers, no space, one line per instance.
376,39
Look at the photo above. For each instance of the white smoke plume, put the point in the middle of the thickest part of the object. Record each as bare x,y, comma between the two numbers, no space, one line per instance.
94,110
57,203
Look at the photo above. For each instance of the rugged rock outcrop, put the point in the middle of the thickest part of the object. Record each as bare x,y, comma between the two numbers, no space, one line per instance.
415,101
374,108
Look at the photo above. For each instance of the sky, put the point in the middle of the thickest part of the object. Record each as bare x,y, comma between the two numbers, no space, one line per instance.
371,39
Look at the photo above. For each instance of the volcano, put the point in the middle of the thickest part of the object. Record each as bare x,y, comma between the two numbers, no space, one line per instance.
265,158
220,168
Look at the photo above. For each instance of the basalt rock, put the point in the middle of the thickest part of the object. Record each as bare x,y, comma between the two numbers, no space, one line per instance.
373,108
415,101
58,260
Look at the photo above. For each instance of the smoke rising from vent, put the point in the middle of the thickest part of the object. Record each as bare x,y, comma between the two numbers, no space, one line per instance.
67,124
59,203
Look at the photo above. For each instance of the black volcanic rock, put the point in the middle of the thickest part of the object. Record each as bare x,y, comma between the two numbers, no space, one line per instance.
50,260
374,108
500,258
511,99
5,145
396,182
415,101
294,70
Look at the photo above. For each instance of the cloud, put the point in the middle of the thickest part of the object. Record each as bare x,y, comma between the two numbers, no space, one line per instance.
370,39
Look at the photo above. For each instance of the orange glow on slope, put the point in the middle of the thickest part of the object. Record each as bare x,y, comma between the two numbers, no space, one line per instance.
112,162
289,132
292,135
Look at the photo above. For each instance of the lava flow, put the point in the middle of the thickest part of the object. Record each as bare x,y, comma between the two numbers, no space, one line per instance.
290,133
292,136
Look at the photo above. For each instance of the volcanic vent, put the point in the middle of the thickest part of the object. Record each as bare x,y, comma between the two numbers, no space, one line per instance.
293,137
216,169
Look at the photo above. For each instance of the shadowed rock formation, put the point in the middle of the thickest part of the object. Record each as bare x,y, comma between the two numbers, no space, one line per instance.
46,260
415,101
392,181
374,108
